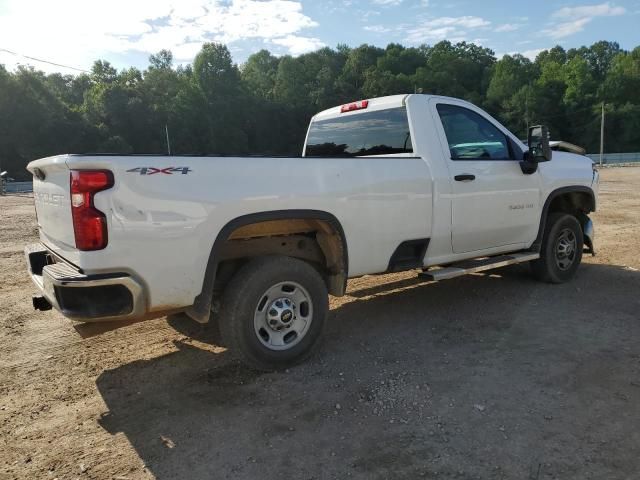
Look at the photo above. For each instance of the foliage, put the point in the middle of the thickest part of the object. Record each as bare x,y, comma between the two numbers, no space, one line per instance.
264,105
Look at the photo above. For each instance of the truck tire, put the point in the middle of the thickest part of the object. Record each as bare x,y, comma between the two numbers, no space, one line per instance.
273,312
561,251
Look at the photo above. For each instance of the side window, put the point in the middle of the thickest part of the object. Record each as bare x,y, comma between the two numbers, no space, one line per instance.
471,136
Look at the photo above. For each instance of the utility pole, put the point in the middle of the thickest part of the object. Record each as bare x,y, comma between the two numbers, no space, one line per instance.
526,109
602,135
166,131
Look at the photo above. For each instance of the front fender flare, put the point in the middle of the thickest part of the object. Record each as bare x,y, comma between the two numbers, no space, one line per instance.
537,244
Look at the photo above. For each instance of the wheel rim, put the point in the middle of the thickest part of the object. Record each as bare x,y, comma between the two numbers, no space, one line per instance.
566,249
283,316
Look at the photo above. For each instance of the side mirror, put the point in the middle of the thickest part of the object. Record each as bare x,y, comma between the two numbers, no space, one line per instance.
539,149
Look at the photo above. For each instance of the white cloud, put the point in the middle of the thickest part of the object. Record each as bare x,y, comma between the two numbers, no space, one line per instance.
571,20
370,13
508,27
387,2
582,11
454,29
465,22
298,45
530,54
76,32
567,29
377,29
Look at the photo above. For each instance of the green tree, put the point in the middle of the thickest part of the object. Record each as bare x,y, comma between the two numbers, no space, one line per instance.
218,80
599,56
462,70
163,60
103,72
212,106
622,83
291,82
215,73
358,61
581,87
398,59
509,75
259,74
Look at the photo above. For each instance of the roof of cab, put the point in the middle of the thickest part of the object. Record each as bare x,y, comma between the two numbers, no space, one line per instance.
378,103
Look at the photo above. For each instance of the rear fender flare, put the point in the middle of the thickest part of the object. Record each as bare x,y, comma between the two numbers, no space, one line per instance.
201,307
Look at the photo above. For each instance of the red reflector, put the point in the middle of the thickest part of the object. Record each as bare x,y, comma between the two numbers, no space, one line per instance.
89,223
350,107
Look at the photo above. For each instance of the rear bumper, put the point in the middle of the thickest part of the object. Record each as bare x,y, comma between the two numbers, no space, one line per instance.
80,297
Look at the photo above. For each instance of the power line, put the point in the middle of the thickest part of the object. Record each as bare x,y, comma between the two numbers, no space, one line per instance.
43,61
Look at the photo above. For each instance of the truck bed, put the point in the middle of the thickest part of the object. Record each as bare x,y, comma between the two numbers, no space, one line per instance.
164,212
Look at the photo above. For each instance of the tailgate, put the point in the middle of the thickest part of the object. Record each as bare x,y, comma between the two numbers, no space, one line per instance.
53,204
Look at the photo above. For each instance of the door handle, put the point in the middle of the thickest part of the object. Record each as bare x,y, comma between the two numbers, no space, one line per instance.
464,178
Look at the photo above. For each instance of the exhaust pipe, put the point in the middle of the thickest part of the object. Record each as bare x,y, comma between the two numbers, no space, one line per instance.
40,303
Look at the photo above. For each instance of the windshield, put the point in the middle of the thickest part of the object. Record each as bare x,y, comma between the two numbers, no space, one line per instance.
381,132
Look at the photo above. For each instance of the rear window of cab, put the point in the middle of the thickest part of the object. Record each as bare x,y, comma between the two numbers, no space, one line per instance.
378,132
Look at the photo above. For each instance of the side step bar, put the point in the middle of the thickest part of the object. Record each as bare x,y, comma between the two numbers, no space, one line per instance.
478,265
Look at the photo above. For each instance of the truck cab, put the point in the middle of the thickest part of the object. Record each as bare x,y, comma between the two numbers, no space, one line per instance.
485,197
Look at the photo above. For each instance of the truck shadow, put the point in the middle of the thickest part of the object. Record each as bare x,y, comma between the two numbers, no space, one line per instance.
412,379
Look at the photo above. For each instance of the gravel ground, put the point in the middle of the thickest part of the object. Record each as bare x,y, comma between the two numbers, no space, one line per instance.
491,376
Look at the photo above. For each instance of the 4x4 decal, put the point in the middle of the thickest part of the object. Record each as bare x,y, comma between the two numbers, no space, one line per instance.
154,170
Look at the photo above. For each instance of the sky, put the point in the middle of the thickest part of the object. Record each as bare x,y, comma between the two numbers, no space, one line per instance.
74,33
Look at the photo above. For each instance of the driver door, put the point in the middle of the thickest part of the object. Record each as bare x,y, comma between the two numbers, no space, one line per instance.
494,204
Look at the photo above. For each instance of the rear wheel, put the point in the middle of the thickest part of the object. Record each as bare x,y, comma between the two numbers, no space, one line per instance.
273,312
561,251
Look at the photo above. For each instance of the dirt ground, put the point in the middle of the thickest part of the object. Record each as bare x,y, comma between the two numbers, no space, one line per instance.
489,376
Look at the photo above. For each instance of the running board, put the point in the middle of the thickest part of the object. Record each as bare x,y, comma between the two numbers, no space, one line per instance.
478,265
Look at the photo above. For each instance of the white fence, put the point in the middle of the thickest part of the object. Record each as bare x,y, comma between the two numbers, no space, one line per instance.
614,158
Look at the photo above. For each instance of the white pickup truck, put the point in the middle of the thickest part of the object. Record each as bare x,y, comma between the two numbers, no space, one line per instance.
384,185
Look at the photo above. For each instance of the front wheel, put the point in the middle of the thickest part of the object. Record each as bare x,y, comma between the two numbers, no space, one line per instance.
273,312
561,251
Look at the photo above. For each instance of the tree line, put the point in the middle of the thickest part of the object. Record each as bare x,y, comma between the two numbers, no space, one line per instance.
263,106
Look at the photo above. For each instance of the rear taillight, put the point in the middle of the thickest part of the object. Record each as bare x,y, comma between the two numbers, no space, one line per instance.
89,223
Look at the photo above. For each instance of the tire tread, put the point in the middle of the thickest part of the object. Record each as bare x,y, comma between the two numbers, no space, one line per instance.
544,269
